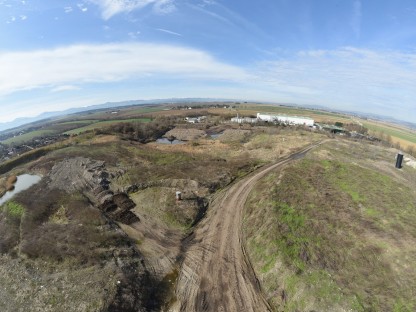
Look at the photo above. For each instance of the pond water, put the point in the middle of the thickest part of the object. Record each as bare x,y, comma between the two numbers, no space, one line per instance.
215,135
23,182
166,141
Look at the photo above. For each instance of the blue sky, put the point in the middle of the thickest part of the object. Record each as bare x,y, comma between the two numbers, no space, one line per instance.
343,54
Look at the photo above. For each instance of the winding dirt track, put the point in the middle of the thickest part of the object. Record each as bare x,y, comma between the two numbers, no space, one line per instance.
216,274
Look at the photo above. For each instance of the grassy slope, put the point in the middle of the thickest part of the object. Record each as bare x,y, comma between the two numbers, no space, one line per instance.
51,129
333,234
105,123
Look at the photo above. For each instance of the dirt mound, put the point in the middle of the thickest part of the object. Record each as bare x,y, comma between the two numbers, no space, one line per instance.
186,134
234,135
91,178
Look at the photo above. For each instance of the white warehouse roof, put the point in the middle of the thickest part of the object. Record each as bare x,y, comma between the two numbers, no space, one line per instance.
291,120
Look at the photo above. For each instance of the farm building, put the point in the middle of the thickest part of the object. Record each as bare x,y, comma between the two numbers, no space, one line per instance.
289,120
195,119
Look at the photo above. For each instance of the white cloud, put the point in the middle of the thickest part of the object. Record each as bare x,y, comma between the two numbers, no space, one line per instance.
82,7
11,20
169,32
164,6
68,9
133,35
65,88
109,8
80,64
348,78
23,17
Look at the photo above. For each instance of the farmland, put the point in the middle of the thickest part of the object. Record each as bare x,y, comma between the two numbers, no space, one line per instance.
102,124
405,137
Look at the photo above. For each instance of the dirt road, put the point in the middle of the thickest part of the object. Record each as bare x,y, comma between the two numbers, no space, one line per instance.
216,274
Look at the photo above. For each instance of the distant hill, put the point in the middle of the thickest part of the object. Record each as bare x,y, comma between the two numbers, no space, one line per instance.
46,115
26,120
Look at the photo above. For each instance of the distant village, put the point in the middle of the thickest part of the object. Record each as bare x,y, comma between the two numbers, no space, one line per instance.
7,152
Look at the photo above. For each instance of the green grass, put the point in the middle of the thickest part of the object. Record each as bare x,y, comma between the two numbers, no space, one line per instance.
26,137
13,209
102,124
143,110
123,112
331,235
290,244
81,121
401,134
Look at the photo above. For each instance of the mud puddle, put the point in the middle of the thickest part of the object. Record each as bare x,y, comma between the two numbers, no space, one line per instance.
23,182
166,141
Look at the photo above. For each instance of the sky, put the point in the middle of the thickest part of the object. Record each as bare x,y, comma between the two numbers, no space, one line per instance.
355,55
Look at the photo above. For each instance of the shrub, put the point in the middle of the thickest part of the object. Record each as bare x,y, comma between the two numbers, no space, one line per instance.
14,209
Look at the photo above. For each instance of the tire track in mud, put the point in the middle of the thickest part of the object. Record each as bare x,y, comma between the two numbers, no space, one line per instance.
216,273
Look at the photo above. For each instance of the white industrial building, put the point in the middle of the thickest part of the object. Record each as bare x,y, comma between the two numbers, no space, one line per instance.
289,120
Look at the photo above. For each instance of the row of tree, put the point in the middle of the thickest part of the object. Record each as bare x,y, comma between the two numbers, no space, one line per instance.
139,131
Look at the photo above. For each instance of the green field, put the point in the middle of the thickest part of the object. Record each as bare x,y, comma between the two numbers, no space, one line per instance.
401,134
123,113
106,123
28,136
82,121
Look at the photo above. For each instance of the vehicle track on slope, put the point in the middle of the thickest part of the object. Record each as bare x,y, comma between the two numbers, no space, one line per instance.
216,273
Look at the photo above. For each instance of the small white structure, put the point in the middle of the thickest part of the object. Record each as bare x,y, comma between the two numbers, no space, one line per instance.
195,119
289,120
244,120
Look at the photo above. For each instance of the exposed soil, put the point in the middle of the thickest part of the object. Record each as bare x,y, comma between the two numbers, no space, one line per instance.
216,274
186,134
91,178
234,135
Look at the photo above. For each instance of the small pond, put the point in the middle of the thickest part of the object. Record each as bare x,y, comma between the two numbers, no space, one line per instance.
215,135
23,182
166,141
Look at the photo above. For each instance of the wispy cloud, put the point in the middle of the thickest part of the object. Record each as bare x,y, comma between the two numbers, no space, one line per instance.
133,35
202,7
81,64
169,32
68,9
345,78
12,19
109,8
231,17
164,6
65,88
82,7
348,78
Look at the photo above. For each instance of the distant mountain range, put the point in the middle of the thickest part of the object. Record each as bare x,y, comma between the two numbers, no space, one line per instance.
47,115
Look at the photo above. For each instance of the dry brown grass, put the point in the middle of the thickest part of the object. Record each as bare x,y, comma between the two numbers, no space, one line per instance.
185,134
